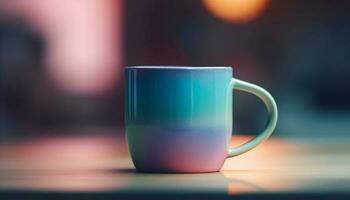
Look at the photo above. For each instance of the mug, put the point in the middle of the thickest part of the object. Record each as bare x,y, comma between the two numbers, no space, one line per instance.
179,118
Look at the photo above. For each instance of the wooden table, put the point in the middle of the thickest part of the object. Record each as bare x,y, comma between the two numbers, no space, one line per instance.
99,167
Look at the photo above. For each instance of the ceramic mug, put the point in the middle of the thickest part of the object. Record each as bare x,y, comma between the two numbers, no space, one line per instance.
179,119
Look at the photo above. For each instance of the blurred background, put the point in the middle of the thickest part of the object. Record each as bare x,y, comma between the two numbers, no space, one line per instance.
61,62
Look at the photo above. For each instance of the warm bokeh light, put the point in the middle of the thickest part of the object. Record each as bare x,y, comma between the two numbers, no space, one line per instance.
270,155
236,11
261,169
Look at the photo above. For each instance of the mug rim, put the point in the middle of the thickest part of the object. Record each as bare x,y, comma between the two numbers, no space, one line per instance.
177,67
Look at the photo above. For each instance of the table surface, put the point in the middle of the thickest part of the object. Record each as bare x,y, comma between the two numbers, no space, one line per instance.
99,166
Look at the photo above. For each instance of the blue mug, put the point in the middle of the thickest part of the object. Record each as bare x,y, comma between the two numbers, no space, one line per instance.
179,119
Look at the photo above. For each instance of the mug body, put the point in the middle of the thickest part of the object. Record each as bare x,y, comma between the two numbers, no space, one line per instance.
178,119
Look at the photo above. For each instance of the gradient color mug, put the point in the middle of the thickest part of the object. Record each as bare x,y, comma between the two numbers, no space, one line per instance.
179,119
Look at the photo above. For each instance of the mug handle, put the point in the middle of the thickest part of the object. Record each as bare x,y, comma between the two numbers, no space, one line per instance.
269,102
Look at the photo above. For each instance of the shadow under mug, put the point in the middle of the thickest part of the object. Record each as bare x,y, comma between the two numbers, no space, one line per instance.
179,119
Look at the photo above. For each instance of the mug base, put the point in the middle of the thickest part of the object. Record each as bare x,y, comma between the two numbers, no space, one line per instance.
165,171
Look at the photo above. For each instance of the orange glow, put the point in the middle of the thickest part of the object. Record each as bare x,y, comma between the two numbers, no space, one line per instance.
269,155
237,11
265,168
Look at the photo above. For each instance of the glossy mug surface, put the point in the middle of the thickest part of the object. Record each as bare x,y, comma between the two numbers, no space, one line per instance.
179,119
